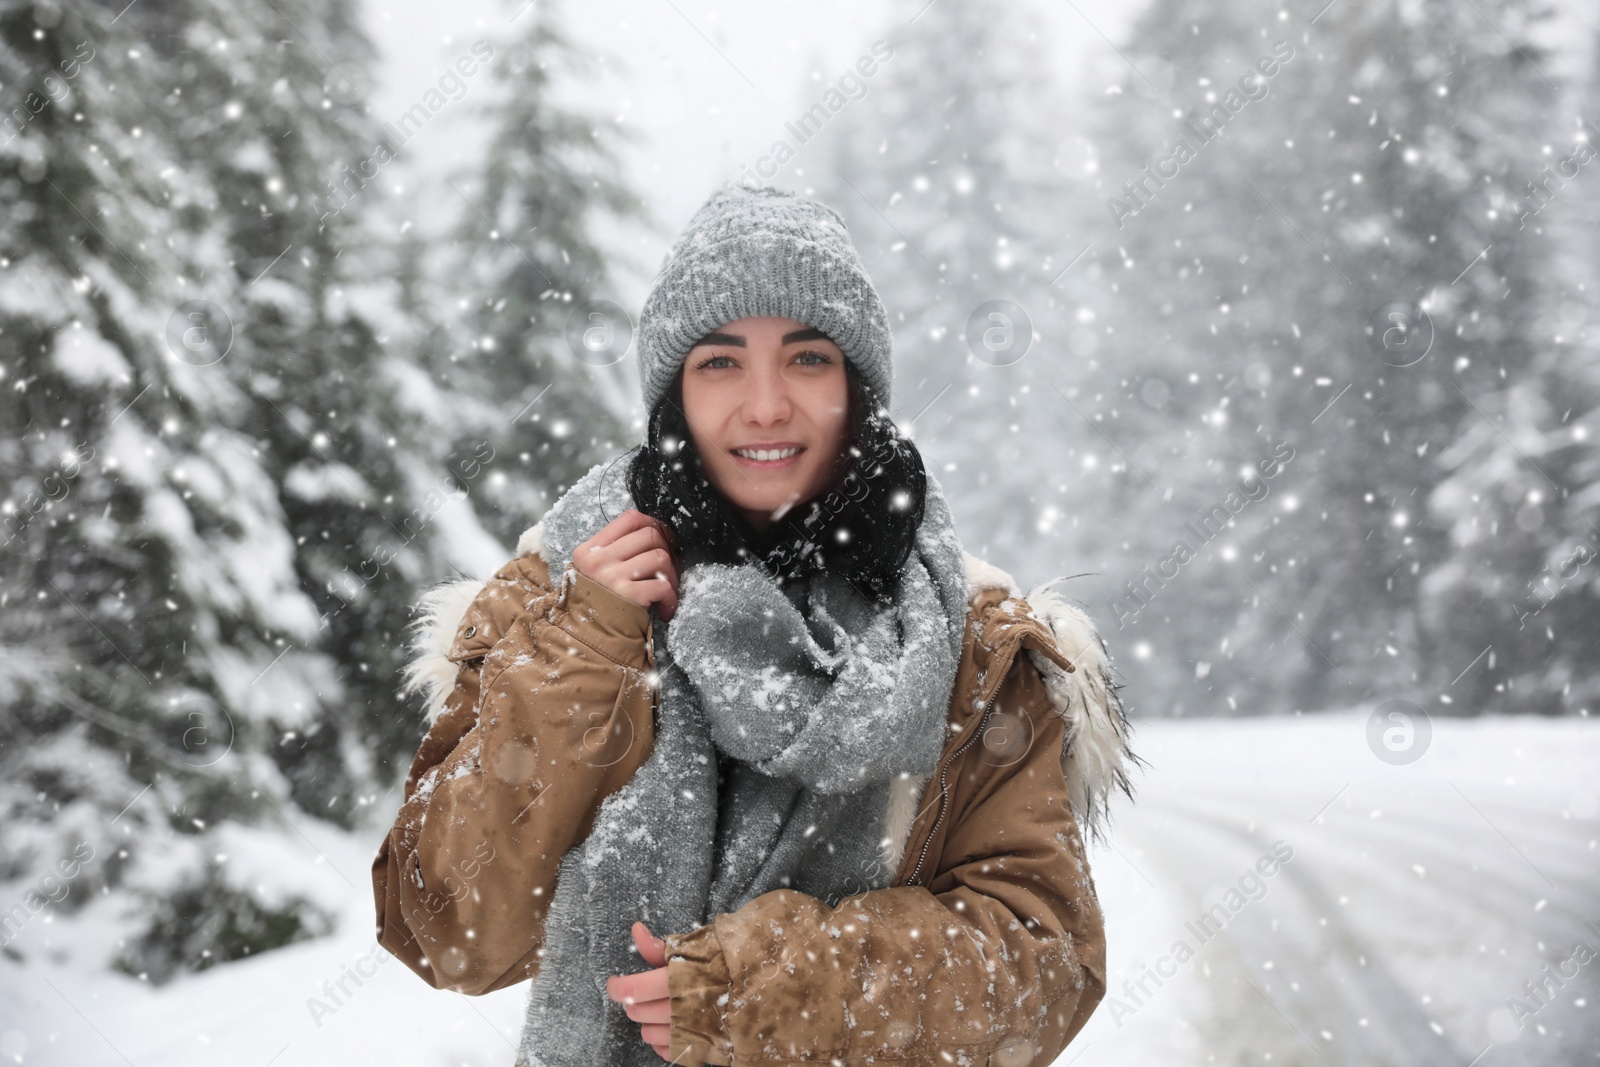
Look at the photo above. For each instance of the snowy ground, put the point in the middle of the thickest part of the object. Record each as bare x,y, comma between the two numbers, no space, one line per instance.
1416,901
1418,898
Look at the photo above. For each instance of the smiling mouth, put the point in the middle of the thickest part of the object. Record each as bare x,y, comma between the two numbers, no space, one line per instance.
766,455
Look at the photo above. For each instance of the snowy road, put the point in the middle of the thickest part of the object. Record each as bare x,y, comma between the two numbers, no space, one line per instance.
1418,900
1415,900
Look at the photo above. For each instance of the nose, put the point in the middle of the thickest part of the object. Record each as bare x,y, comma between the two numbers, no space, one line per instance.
768,399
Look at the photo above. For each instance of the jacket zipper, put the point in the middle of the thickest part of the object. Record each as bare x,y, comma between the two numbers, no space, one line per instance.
944,792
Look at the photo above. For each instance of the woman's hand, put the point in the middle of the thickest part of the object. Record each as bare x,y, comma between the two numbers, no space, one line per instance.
645,994
631,556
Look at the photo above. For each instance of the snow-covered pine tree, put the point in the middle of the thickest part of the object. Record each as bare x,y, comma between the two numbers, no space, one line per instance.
1146,387
323,346
946,172
537,343
1519,585
1331,174
148,579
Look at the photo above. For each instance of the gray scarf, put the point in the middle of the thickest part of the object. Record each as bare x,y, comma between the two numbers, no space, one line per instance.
809,701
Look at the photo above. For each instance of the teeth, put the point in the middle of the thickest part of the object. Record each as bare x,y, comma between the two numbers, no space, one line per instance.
765,455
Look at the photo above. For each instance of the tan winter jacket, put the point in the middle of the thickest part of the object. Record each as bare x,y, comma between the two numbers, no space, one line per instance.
987,948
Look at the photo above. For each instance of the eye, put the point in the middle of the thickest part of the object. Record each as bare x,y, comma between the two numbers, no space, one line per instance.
709,360
823,358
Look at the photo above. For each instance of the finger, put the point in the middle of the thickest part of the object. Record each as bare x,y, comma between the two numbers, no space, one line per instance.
614,573
632,544
663,1051
669,574
638,988
630,520
653,563
641,591
664,529
655,591
668,533
650,1011
589,558
620,988
656,1034
651,947
650,985
667,606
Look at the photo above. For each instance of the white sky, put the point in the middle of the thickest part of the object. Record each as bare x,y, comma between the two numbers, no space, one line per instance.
709,86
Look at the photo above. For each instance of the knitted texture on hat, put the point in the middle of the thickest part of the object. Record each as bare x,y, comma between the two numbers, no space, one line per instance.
762,251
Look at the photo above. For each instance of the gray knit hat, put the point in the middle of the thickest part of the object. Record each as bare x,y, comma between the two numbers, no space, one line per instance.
762,251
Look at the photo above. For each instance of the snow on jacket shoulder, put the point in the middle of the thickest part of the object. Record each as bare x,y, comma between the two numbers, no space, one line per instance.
988,947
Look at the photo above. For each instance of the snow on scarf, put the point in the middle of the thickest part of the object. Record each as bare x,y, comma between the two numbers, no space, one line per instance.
807,697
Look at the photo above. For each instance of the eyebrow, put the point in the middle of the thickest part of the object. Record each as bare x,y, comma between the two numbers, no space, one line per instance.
810,333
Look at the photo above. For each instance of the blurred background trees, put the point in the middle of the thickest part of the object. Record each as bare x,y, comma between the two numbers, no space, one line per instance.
1300,410
236,446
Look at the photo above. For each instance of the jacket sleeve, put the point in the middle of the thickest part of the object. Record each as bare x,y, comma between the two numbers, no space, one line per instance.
1000,959
551,711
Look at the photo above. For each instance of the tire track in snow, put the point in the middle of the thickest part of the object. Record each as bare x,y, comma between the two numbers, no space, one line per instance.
1540,835
1230,1022
1436,844
1331,979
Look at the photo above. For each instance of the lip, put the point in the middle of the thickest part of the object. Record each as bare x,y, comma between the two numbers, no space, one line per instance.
769,464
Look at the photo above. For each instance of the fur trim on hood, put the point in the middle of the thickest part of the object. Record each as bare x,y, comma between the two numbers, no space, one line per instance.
1097,756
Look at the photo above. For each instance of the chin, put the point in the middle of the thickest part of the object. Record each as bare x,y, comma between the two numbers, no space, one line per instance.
765,507
768,502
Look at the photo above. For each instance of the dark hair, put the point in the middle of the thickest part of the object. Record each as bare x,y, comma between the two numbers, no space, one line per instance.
862,527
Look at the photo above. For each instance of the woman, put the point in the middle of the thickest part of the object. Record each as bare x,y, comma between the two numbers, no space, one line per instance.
742,709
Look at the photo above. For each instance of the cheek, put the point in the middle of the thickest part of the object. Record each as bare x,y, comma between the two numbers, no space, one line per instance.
705,445
834,415
702,409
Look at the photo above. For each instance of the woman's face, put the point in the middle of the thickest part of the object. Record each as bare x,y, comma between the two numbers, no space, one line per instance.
767,385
